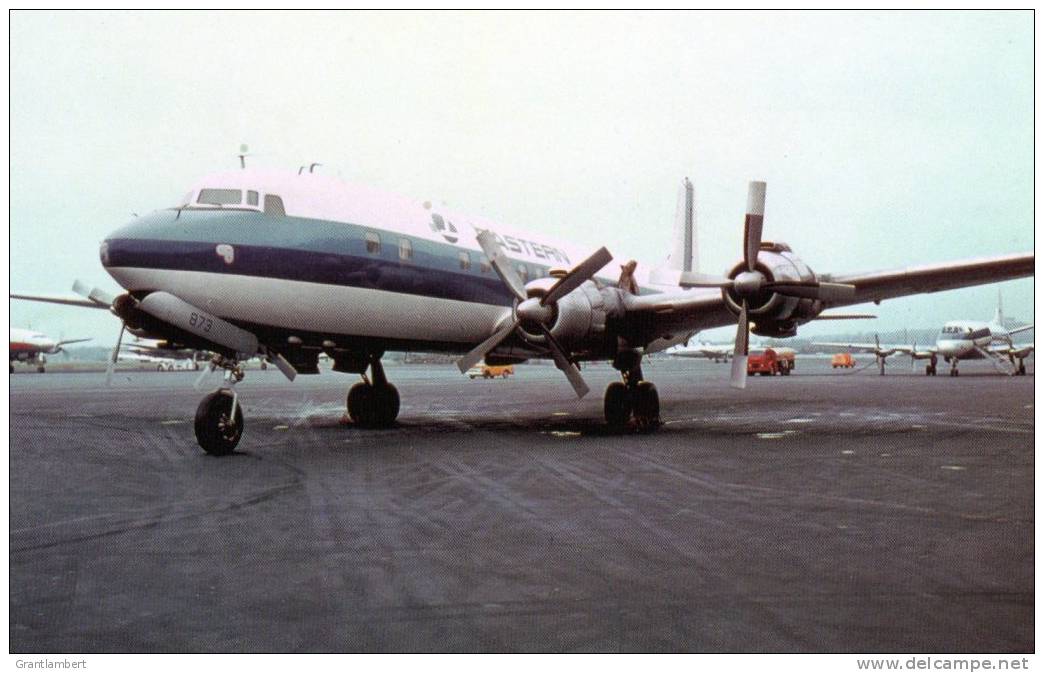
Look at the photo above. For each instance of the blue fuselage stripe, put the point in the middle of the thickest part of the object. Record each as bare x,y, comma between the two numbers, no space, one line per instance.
300,249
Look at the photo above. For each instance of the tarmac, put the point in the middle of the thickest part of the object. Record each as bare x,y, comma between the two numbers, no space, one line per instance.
827,511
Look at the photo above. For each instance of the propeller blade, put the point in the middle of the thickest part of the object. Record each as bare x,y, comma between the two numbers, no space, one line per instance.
111,367
741,350
753,224
581,273
501,264
693,279
209,369
96,295
812,289
567,367
478,352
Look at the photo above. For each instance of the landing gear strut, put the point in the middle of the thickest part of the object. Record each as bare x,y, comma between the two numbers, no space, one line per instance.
219,417
953,367
633,397
929,369
373,403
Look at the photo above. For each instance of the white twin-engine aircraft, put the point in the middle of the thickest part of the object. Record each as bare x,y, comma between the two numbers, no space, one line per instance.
290,266
958,340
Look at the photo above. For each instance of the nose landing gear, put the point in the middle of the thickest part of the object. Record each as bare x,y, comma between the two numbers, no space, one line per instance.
633,397
373,404
219,417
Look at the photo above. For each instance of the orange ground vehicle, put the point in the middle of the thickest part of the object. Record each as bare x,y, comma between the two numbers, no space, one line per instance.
769,361
491,371
843,360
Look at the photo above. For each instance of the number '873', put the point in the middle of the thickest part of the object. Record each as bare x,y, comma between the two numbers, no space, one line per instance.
200,322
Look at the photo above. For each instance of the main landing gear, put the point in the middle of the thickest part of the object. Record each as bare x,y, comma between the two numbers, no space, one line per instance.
1017,370
373,402
219,417
929,369
633,397
953,367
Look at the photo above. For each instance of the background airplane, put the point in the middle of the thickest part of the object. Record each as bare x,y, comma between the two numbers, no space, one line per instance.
33,348
293,265
958,340
715,352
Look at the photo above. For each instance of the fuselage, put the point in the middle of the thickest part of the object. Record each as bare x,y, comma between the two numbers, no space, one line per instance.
969,339
27,344
311,256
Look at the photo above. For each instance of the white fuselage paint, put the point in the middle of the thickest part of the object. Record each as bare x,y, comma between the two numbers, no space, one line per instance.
319,307
27,344
967,339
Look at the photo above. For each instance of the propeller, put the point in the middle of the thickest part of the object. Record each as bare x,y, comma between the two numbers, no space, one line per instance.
750,281
539,311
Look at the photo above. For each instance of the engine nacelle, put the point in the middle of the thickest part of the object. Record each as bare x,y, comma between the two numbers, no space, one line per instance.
580,317
775,315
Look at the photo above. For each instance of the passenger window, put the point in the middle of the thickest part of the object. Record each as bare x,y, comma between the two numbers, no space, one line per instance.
465,261
484,265
373,243
405,249
274,205
523,273
251,198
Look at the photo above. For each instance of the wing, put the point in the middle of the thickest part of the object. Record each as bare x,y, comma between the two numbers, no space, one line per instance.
1017,330
932,278
61,299
849,346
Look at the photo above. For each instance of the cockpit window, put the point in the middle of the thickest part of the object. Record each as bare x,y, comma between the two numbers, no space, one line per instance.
274,205
220,197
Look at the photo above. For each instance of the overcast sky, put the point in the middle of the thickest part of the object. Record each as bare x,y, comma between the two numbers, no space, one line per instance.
887,139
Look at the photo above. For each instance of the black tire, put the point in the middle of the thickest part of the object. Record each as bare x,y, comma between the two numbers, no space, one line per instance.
1022,368
617,405
371,407
360,404
213,431
385,406
646,406
40,369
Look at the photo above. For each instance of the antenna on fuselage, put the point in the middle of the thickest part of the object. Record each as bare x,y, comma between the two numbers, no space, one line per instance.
243,154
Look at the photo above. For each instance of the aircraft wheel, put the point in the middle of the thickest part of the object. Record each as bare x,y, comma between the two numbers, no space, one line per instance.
371,407
784,372
385,405
360,403
646,405
1022,368
617,405
214,431
40,369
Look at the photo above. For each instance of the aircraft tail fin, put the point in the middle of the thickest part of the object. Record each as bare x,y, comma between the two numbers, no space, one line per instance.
684,252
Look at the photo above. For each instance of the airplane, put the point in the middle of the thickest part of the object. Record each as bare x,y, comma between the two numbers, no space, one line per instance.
162,351
34,347
716,352
959,340
257,262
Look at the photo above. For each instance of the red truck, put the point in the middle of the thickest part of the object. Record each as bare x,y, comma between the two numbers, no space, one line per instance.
769,361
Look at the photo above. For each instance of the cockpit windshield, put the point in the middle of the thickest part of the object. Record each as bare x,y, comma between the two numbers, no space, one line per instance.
220,197
955,331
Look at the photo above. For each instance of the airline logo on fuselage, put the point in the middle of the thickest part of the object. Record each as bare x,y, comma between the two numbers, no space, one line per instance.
444,227
539,250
